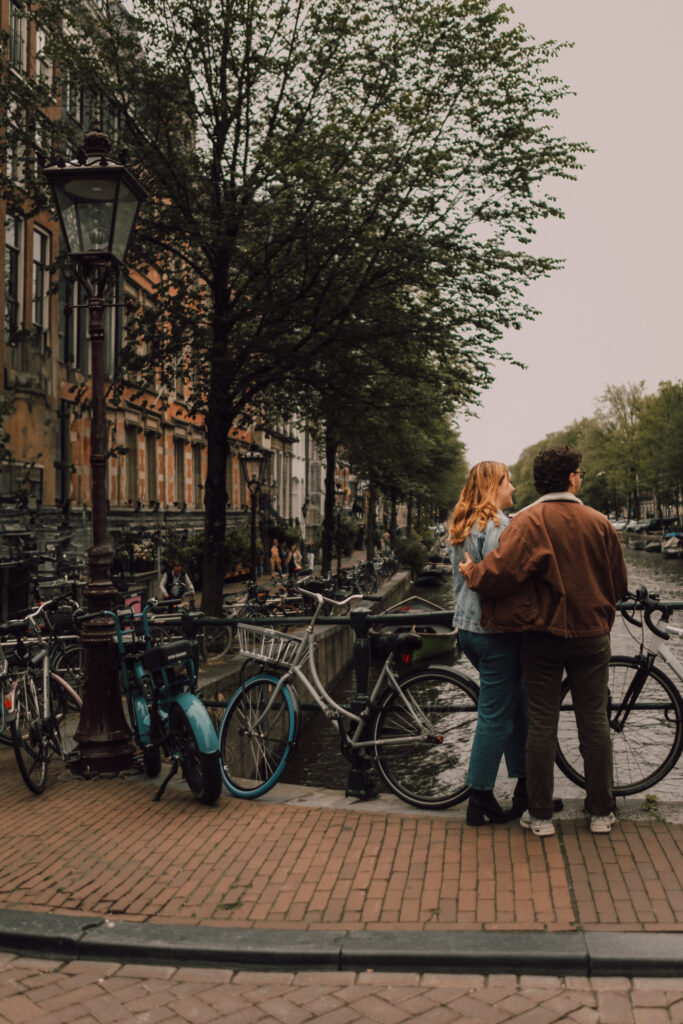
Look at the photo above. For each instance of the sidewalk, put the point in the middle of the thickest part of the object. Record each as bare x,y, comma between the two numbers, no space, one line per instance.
306,879
309,879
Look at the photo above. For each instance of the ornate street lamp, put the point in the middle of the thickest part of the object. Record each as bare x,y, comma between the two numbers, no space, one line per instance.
97,201
254,463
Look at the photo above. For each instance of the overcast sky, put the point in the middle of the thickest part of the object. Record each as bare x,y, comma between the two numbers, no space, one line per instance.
613,314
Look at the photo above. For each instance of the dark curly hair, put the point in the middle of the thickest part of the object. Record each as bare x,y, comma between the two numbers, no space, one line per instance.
552,468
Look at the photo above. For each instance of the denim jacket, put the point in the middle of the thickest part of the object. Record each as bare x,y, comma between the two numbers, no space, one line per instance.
477,544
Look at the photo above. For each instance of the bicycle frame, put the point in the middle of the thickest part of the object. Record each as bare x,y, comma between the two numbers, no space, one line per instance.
335,712
138,668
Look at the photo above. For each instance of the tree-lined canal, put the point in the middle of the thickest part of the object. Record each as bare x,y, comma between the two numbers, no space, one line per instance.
318,761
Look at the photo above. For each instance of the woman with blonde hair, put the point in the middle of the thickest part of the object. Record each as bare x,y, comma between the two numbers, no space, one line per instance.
475,526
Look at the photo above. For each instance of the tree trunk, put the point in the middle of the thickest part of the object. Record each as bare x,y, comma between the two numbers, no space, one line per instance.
328,520
219,419
371,525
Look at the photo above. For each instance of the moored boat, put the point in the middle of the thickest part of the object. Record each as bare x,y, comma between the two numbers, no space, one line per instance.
437,638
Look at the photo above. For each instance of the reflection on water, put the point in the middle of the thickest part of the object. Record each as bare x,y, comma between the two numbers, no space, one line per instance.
319,762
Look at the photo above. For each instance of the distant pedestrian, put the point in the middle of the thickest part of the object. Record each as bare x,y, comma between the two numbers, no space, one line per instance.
293,561
275,560
310,557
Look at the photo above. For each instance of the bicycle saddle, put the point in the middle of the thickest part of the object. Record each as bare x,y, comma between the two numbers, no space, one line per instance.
400,643
167,655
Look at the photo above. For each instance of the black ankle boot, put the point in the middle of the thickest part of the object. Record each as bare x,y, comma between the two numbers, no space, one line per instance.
484,807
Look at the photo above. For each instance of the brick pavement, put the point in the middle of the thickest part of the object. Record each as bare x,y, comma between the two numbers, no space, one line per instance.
104,848
57,992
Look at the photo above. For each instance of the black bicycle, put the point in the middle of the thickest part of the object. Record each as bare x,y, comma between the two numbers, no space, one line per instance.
645,705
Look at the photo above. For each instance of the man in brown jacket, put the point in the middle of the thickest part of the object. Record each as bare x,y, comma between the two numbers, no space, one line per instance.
555,577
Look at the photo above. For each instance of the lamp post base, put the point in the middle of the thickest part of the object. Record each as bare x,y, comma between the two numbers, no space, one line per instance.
105,743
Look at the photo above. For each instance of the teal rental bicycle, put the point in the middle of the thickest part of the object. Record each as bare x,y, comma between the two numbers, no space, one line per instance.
164,708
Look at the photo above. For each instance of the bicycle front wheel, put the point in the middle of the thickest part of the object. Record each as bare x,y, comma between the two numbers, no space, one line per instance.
201,771
424,735
646,742
28,740
256,735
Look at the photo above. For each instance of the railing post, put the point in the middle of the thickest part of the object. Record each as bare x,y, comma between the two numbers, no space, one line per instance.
361,653
361,783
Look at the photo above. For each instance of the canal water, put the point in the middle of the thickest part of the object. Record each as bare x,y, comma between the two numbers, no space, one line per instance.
319,762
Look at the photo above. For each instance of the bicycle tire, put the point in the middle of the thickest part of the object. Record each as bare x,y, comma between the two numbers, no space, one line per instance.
252,760
651,740
201,771
216,642
69,663
66,716
430,773
30,749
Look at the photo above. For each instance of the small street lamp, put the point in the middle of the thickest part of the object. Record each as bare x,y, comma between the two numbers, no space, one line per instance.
97,201
253,465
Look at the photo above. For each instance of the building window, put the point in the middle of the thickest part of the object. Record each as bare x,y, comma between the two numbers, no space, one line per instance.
43,62
13,278
18,36
132,464
41,281
197,475
151,467
75,350
179,463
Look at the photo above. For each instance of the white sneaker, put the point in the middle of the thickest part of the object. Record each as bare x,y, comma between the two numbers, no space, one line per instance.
602,823
539,826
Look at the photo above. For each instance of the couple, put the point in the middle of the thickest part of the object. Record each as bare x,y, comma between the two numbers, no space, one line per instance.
535,597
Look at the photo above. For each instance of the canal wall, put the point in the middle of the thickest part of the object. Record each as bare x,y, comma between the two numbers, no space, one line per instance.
333,654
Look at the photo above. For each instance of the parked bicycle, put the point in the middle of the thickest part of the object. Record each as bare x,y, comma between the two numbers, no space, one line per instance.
41,707
160,687
416,727
280,600
645,706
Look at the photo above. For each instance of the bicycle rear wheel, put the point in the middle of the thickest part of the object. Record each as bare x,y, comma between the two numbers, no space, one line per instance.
201,771
647,743
216,642
254,743
30,749
424,737
69,663
66,715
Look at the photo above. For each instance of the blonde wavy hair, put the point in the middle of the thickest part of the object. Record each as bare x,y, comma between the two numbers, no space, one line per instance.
479,500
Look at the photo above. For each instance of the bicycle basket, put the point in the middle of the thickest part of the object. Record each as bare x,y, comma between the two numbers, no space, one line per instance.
267,645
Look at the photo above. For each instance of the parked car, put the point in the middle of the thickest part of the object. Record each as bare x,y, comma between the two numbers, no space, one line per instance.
651,525
620,524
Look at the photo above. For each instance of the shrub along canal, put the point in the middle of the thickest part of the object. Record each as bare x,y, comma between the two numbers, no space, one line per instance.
319,762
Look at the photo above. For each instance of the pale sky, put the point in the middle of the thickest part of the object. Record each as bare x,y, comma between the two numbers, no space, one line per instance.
613,314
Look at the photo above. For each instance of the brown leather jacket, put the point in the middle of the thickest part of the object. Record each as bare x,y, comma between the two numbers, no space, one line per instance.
558,568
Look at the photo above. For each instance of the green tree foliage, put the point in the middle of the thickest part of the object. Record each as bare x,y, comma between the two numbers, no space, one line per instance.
308,158
632,448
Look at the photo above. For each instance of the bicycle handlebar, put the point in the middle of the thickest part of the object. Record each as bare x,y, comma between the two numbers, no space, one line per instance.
322,598
649,605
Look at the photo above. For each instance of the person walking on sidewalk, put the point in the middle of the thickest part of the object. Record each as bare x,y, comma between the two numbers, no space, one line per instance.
176,583
475,527
275,561
555,577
